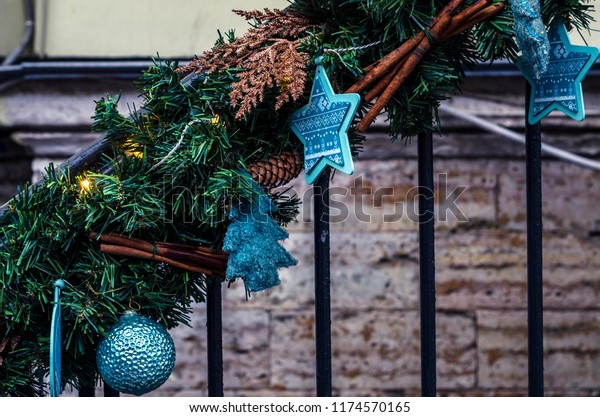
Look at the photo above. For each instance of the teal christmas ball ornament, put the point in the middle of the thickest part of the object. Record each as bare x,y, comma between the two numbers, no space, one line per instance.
137,356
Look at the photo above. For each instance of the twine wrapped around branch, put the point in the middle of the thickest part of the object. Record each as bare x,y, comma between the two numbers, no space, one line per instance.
391,71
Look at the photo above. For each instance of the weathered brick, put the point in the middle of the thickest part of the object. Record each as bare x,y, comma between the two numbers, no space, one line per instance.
382,196
571,287
268,392
372,350
571,349
496,248
368,270
292,336
245,351
480,249
246,348
465,289
569,197
563,288
190,364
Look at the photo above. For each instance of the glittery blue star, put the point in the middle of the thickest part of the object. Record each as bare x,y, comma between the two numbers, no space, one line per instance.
559,88
322,126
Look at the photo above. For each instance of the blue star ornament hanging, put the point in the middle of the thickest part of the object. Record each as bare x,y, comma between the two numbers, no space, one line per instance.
322,126
559,87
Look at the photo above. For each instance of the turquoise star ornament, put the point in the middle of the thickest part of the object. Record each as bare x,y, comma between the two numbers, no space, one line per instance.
322,126
559,87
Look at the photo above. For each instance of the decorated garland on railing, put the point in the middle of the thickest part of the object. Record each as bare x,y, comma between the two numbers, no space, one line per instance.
188,192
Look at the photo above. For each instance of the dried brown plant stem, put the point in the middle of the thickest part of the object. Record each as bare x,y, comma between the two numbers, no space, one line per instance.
268,57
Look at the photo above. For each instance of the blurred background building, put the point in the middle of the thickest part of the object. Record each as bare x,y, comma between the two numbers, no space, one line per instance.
74,52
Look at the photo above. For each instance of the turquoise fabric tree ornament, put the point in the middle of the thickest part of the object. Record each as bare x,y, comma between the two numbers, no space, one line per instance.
559,88
252,241
137,356
322,126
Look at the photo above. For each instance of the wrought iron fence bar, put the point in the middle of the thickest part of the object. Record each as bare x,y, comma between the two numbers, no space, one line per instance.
87,392
214,333
110,391
535,308
427,265
322,286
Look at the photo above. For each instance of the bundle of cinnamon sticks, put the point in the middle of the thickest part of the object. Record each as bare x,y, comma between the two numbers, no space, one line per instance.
187,257
386,76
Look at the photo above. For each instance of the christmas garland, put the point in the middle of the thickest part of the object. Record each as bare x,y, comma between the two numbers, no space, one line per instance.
186,193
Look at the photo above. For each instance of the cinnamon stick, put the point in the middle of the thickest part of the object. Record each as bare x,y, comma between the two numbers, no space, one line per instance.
159,247
198,249
391,59
133,243
386,63
383,83
194,256
479,17
411,63
464,15
135,253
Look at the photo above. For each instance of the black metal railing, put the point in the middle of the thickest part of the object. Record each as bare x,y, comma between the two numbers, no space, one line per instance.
214,327
214,337
427,270
535,308
427,265
322,286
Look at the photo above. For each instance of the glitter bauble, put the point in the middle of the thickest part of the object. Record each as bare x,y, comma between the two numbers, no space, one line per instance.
137,356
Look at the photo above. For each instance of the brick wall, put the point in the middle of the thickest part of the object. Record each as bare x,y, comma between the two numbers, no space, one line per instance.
480,264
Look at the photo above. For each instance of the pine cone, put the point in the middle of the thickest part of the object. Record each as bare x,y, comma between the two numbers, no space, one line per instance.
277,170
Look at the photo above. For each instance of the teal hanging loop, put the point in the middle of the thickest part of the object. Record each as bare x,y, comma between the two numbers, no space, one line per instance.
56,341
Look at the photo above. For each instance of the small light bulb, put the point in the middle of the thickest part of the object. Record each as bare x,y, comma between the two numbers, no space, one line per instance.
135,154
85,184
